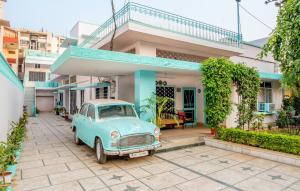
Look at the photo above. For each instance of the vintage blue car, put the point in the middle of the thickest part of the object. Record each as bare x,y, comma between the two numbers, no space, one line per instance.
112,127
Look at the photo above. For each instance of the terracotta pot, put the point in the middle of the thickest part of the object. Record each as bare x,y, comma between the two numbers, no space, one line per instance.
213,132
12,169
7,177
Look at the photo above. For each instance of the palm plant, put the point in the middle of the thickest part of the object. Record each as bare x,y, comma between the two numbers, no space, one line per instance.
157,106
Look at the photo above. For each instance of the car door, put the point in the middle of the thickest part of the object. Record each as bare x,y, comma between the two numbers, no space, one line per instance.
81,121
90,125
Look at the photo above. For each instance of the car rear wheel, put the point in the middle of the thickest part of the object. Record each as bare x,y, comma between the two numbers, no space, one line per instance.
76,138
101,157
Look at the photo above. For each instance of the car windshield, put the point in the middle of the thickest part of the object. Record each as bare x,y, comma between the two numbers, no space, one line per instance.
116,111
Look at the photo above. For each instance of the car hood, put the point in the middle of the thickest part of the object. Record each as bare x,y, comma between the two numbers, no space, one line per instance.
127,126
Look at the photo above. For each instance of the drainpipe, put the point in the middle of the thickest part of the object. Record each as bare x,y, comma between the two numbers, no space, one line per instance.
238,20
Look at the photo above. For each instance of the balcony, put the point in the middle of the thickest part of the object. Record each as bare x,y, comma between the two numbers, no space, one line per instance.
46,85
158,19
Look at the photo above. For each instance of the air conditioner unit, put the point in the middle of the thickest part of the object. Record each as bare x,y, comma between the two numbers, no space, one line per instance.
266,107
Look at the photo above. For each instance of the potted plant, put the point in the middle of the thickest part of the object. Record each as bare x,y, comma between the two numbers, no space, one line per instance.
56,109
5,176
11,158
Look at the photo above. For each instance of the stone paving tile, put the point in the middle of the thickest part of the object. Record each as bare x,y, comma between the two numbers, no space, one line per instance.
115,178
138,172
159,167
206,167
69,186
131,163
75,165
229,176
262,163
131,186
105,168
188,175
204,183
172,154
277,177
186,161
30,164
173,188
288,170
40,171
91,183
161,181
224,162
34,183
38,157
239,157
70,176
257,184
60,160
247,169
296,185
206,156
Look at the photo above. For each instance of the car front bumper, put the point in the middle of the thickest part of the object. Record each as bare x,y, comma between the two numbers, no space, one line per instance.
122,152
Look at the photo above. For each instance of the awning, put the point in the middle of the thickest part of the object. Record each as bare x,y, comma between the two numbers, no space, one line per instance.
270,76
94,85
93,62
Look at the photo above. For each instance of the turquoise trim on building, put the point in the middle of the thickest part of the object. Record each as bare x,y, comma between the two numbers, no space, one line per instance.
93,85
166,21
144,88
8,73
270,76
104,55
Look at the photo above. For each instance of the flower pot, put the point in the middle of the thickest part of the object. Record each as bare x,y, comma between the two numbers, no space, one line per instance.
213,132
7,187
7,177
12,169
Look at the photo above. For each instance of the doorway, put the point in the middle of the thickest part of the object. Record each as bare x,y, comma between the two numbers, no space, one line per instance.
189,105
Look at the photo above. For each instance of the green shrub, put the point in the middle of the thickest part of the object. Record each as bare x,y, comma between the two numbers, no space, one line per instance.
276,142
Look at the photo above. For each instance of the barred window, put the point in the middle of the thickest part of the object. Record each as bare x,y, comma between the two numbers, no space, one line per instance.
102,93
37,76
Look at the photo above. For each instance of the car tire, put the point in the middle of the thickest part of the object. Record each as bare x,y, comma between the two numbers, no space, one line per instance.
151,152
77,140
100,156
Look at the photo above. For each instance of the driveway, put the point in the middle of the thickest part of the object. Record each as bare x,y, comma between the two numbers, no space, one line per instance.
51,161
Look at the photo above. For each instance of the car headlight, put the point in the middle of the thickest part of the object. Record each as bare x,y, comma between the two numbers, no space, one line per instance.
114,134
156,131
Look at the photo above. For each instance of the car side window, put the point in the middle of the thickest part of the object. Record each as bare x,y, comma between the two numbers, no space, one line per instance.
83,109
91,112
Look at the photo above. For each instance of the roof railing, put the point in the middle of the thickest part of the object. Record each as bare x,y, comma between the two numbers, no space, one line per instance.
155,18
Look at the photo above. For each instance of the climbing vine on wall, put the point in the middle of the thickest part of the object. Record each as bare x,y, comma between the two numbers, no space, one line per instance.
247,84
217,80
219,74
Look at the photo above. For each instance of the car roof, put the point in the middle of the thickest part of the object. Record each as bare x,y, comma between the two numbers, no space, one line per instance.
98,102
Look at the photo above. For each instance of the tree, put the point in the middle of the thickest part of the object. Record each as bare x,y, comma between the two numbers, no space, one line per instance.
284,44
115,25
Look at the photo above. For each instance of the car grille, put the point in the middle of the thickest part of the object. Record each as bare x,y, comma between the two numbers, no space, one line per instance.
136,140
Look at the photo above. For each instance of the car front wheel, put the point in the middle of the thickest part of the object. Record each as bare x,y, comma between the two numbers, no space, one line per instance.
101,157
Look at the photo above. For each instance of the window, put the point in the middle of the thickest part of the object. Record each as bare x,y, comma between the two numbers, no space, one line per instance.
81,97
91,112
11,52
102,93
24,42
266,92
37,76
61,99
84,109
116,111
37,66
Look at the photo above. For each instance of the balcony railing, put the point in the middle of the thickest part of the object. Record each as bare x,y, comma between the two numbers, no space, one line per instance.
46,85
38,53
151,17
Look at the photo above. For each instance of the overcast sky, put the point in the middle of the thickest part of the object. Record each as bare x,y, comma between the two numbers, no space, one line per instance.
58,16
